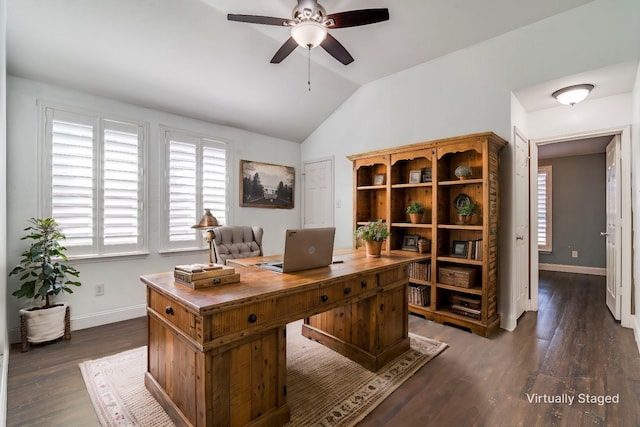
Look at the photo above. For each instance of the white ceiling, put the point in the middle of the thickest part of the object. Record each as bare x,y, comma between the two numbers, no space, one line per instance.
184,56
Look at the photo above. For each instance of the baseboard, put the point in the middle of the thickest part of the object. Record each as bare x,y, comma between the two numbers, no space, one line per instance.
4,378
105,317
579,269
508,323
636,330
91,320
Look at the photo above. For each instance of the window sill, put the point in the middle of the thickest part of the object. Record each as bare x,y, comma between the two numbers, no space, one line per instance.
81,259
170,252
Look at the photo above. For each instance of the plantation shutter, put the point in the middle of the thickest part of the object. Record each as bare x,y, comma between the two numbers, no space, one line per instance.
214,172
182,191
121,184
72,180
94,182
544,208
196,179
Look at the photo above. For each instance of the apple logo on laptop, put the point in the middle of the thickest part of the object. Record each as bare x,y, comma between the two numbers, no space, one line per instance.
312,250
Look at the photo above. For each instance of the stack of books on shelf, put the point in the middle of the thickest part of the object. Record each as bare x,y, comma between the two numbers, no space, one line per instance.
464,306
418,295
474,249
420,270
197,276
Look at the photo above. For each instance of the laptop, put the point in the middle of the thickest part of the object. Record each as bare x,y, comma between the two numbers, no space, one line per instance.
304,249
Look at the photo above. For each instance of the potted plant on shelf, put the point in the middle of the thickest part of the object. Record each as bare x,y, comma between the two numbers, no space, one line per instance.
44,274
466,208
415,211
373,234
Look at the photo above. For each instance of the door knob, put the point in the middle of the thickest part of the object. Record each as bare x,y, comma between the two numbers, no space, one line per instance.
519,237
604,233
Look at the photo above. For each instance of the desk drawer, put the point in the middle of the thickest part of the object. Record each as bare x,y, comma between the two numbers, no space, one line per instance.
175,314
324,296
284,306
360,285
242,317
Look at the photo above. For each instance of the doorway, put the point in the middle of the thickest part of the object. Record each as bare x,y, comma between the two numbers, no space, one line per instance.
588,145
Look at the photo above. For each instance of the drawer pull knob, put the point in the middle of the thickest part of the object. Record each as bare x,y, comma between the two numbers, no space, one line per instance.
324,298
253,318
363,284
347,291
169,310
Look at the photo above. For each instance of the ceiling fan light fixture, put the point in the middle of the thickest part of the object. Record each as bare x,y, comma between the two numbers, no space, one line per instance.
571,95
309,34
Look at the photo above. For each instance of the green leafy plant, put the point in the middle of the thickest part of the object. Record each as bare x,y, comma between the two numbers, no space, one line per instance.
40,270
415,208
376,231
467,207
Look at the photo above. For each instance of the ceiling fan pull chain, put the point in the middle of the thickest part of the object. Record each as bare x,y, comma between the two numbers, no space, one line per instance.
309,67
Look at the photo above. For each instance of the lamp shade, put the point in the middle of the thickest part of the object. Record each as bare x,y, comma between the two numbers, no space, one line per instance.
309,34
207,221
572,94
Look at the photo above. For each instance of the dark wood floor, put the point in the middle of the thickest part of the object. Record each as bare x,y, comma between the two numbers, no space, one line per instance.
572,347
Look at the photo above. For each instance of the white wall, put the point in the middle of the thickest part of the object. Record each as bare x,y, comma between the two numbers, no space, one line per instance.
635,200
470,91
124,295
4,343
586,117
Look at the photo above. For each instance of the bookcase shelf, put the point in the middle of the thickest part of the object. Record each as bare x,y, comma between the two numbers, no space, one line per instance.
387,181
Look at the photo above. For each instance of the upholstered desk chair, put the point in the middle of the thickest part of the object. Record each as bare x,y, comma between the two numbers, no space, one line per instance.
237,241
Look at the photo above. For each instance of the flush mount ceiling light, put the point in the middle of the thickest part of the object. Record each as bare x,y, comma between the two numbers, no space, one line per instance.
571,95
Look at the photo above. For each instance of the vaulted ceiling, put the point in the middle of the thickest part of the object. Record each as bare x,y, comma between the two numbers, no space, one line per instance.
185,57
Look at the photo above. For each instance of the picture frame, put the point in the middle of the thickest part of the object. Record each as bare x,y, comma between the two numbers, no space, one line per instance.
379,179
410,242
415,176
426,175
266,185
459,248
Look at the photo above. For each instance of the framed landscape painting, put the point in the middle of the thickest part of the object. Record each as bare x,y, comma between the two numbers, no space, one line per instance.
265,185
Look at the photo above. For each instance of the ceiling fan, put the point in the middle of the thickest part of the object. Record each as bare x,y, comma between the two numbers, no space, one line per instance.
309,25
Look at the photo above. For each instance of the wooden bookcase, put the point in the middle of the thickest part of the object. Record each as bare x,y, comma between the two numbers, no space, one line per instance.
387,181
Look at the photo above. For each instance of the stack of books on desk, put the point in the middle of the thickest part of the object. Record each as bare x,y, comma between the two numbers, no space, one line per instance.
197,276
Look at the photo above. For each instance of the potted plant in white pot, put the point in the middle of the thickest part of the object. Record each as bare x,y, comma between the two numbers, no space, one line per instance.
373,234
43,274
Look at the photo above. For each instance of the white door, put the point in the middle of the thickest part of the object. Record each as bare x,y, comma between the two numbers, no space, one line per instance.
521,204
317,194
612,234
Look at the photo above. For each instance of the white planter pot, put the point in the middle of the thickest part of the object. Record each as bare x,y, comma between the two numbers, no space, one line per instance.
38,326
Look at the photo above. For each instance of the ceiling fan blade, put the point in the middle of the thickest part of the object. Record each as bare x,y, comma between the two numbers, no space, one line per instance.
256,19
284,51
335,49
353,18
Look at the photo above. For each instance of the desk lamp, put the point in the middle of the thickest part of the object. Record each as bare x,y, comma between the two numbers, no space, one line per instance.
208,223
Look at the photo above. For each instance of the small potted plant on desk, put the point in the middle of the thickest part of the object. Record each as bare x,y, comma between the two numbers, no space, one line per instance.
43,276
415,211
466,209
373,234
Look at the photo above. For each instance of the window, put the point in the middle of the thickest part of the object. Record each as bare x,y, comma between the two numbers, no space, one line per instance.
94,182
196,179
544,209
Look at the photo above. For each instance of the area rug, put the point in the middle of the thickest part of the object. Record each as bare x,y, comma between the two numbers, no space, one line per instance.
323,387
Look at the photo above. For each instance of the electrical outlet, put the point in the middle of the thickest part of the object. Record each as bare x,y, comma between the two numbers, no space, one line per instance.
99,289
574,254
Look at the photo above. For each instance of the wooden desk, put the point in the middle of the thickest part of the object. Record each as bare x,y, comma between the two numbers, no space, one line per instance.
217,356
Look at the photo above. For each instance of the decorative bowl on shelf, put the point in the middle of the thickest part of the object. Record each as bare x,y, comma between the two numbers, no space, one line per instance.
463,172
